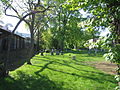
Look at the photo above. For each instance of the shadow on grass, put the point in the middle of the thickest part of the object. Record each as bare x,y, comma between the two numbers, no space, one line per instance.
67,63
96,76
55,61
28,82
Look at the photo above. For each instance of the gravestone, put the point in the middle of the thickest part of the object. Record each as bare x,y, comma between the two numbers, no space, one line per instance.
61,52
52,52
73,57
57,52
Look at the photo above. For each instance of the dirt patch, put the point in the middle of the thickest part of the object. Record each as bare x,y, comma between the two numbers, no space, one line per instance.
105,66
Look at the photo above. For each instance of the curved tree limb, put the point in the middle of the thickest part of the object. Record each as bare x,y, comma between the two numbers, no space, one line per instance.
33,12
15,16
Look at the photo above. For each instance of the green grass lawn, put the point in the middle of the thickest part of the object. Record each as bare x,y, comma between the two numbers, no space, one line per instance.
59,72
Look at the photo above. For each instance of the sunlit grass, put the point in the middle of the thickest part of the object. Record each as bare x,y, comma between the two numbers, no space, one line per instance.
59,72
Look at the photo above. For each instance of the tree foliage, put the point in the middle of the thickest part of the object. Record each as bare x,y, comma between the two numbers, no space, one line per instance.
103,13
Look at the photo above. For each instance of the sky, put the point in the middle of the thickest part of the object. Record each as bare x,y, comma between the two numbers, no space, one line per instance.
12,20
104,32
22,28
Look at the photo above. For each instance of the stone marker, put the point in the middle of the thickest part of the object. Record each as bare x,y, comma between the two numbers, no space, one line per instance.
73,57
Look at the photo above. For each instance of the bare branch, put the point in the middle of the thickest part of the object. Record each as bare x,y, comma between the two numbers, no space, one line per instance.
33,12
22,8
14,15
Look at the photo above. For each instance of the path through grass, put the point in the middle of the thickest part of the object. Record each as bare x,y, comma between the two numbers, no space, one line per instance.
59,73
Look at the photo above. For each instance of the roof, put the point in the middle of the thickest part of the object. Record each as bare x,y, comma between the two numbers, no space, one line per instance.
7,31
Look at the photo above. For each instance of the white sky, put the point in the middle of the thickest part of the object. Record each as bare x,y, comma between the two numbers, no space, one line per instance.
7,19
105,32
12,20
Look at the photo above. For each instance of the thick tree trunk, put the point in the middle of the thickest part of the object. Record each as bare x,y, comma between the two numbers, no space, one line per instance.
31,53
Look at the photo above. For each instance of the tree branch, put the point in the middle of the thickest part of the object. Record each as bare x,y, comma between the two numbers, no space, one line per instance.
14,15
33,12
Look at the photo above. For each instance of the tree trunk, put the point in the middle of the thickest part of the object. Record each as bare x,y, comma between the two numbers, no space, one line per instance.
38,41
31,53
117,42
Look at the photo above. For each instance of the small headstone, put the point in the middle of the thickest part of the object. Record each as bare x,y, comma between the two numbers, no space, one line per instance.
73,57
61,52
52,52
57,53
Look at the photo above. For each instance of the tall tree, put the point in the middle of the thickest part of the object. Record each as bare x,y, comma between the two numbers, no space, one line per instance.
24,10
104,13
